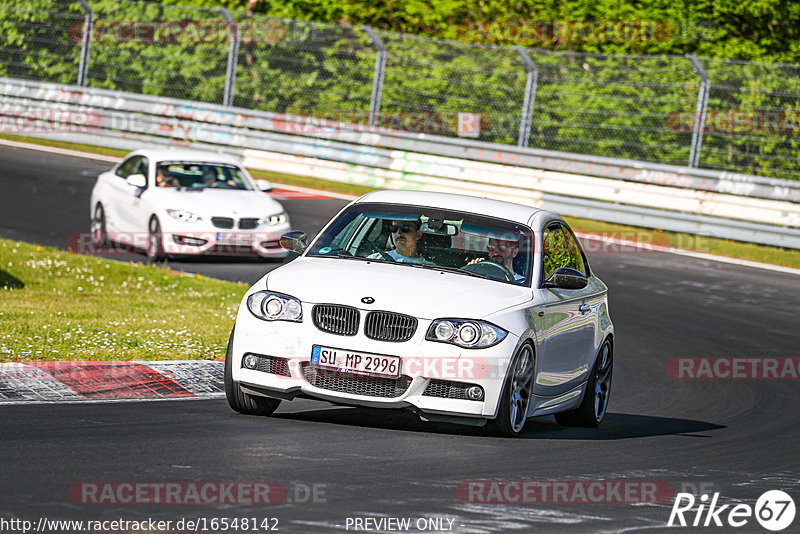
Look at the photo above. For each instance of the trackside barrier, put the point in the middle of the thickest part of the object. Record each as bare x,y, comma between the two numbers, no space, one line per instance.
720,204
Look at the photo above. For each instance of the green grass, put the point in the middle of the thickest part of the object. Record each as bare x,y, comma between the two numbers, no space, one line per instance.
56,305
279,178
65,144
708,245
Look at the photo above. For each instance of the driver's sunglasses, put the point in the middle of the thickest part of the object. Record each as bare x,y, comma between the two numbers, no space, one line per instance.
403,228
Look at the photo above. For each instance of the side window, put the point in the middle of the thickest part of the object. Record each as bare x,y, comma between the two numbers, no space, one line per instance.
141,167
578,259
124,170
555,251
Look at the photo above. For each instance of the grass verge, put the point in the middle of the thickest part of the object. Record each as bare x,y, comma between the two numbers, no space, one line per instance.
65,144
695,243
707,245
56,305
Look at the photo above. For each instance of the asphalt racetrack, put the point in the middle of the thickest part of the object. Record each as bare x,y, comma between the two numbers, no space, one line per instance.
735,437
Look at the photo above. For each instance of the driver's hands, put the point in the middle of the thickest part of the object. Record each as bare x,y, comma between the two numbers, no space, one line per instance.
476,260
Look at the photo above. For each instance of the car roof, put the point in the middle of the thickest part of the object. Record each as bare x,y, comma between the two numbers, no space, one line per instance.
185,154
486,206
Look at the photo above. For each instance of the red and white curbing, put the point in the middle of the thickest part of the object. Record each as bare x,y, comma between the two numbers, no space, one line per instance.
104,381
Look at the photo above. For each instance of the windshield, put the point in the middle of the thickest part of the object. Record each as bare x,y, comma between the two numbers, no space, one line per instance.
197,176
470,244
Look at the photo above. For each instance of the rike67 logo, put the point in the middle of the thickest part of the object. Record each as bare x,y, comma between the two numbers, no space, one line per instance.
774,510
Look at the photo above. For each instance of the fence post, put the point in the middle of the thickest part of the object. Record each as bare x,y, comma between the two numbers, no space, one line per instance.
377,79
530,96
86,42
700,113
233,58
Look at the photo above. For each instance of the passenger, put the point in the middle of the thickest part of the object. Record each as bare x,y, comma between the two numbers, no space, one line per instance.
503,250
405,236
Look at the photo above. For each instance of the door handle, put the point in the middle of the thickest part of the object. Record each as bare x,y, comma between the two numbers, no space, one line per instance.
583,308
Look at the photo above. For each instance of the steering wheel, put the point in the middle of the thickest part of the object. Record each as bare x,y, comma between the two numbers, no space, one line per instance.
382,253
490,269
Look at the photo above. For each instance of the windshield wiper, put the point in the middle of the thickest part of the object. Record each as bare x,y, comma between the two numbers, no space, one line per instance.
455,270
344,256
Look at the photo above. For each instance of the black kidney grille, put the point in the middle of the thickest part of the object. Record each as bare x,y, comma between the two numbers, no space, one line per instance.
222,222
388,326
248,224
336,319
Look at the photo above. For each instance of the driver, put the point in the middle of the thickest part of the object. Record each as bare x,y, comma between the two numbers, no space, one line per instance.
209,177
503,249
405,236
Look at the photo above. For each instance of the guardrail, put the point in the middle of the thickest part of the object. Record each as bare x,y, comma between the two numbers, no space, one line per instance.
720,204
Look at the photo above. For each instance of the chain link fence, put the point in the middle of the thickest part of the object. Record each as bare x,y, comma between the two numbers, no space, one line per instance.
616,106
717,114
753,118
428,82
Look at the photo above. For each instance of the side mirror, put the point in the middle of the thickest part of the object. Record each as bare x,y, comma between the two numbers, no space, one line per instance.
137,180
566,278
295,241
264,185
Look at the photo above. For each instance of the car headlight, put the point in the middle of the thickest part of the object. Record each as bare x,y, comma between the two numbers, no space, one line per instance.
278,218
270,306
183,215
465,333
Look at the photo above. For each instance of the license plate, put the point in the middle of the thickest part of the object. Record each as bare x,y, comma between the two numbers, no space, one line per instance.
233,238
355,362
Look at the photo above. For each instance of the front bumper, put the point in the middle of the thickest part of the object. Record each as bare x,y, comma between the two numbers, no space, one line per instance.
432,374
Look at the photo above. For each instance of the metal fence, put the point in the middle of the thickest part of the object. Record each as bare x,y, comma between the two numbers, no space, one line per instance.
680,110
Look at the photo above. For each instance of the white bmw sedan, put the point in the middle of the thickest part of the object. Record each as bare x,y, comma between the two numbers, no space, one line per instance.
186,202
461,309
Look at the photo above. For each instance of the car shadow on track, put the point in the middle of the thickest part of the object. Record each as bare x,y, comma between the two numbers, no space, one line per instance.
615,426
620,426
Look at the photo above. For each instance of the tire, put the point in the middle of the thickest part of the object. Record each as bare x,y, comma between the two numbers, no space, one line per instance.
155,241
516,398
98,228
594,405
242,402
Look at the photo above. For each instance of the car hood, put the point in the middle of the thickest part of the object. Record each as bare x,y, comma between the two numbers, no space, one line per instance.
422,293
218,202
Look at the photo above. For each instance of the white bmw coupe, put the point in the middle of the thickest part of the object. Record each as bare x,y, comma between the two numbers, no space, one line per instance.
459,308
186,202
